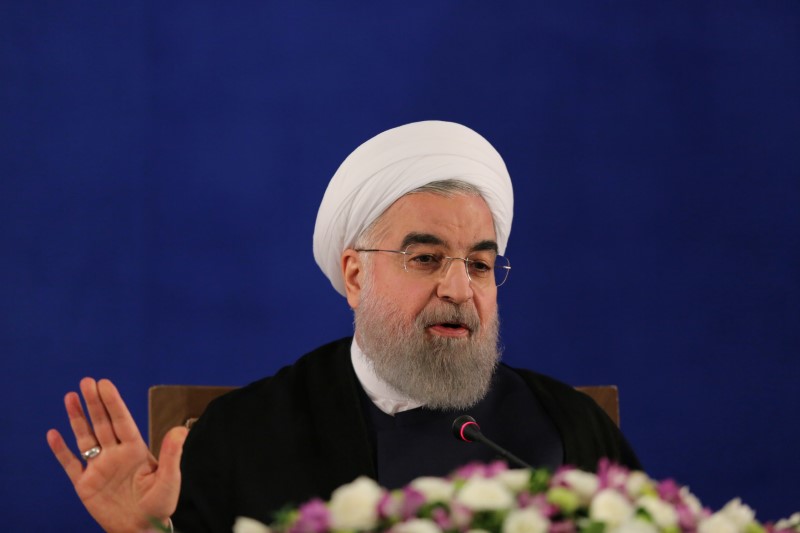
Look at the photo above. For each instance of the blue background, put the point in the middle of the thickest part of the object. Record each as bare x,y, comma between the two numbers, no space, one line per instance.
162,164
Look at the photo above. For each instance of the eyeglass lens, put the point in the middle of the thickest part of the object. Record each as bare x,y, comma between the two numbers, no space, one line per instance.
483,267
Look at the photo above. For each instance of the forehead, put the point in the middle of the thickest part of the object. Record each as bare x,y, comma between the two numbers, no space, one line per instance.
460,221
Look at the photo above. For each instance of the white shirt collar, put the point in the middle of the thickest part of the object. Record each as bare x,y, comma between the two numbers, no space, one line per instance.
384,396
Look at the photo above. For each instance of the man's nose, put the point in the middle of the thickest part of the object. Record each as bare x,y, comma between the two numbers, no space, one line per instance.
454,284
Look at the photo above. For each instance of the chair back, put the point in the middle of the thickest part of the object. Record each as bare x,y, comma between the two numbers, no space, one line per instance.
181,405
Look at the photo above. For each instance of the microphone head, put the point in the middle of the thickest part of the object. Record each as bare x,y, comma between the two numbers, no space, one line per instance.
464,427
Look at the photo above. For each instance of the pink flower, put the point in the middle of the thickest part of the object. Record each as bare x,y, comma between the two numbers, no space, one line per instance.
442,518
686,517
412,501
479,469
538,501
669,491
313,517
567,526
388,505
558,477
611,475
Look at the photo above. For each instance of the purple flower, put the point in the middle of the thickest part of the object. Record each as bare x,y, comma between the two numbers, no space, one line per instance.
558,477
567,526
611,475
389,506
686,518
313,517
669,491
494,468
538,502
480,469
442,518
412,501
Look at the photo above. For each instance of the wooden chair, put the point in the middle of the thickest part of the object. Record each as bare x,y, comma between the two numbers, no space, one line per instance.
181,405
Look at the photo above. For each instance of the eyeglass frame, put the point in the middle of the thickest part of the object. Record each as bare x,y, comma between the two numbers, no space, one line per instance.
449,259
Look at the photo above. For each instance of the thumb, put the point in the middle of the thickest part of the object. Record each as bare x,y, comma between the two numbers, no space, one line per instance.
169,458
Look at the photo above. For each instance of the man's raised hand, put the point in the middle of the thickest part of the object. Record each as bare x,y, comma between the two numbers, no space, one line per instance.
123,487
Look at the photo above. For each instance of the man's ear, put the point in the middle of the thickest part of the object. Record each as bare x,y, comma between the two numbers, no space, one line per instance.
352,270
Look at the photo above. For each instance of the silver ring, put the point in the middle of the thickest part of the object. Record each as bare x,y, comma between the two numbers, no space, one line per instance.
91,453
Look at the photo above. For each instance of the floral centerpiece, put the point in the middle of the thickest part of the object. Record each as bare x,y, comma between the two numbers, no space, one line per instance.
494,498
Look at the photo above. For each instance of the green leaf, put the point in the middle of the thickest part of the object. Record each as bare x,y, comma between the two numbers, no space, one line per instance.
566,500
540,480
591,526
488,520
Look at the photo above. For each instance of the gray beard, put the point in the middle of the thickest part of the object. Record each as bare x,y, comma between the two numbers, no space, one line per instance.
439,372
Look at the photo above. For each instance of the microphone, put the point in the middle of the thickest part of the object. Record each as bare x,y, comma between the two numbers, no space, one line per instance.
467,429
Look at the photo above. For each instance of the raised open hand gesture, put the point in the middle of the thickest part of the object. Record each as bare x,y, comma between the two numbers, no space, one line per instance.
122,485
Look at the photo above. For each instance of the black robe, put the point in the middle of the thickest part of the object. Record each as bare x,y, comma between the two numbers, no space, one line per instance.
304,432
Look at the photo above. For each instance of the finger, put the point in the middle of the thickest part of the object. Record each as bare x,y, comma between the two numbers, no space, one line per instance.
84,436
71,464
169,462
124,426
101,423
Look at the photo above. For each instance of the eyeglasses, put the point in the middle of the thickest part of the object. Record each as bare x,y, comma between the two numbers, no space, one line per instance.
427,261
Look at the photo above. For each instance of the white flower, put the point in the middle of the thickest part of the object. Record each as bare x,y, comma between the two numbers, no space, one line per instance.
516,480
788,523
635,525
248,525
717,523
525,521
611,507
738,513
636,483
481,494
355,505
417,525
435,489
662,513
584,484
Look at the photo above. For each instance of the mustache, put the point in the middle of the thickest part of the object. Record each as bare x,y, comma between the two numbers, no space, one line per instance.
443,313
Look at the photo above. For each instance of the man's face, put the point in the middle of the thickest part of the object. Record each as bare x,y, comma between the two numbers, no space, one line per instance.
432,338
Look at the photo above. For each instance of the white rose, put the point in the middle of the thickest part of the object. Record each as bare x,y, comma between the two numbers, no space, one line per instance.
636,483
738,513
635,525
717,523
417,525
481,494
248,525
611,507
584,484
788,523
662,513
525,521
434,489
355,505
516,480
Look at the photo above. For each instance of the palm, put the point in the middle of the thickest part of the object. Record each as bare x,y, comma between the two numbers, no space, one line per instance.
124,487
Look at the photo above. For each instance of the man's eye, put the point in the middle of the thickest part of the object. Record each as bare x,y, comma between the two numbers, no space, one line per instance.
480,267
425,259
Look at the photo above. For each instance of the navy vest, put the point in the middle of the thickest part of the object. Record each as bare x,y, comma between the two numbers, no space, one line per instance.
420,442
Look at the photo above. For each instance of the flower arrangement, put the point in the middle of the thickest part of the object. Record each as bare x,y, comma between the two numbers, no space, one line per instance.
494,498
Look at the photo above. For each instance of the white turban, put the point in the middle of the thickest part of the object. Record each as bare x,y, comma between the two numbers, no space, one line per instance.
396,162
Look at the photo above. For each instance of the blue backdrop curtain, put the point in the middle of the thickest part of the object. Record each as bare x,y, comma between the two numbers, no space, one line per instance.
162,163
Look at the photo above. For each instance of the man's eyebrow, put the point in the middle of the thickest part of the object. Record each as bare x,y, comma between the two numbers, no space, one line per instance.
482,246
421,238
428,238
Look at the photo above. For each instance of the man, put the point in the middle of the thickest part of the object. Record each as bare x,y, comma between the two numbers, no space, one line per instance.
411,231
